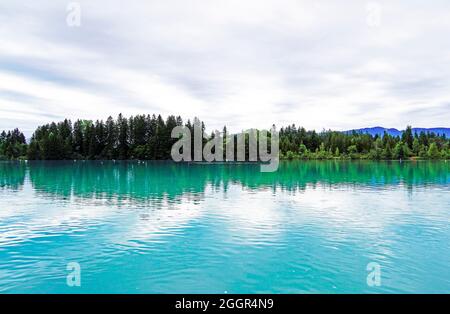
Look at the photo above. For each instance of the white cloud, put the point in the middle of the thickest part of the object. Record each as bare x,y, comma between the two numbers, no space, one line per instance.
244,64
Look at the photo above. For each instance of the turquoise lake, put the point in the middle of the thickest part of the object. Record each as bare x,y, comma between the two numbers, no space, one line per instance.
162,227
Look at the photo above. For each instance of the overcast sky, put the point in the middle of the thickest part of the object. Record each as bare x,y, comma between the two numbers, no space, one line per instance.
319,64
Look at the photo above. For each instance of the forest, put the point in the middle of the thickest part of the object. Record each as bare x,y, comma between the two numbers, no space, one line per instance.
148,137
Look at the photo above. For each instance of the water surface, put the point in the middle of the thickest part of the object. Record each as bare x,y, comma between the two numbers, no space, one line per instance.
161,227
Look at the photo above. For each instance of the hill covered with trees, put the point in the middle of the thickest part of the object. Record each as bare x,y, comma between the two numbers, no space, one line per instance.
148,137
298,143
394,132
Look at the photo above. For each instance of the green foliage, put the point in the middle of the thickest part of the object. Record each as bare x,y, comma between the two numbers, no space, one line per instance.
407,137
303,151
299,143
416,147
433,151
12,145
149,137
401,151
139,137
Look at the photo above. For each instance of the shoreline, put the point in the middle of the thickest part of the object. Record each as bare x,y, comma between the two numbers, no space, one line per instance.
226,162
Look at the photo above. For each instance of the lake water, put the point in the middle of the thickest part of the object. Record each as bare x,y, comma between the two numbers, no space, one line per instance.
161,227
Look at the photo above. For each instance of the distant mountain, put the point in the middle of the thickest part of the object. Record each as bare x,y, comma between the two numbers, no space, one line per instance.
394,132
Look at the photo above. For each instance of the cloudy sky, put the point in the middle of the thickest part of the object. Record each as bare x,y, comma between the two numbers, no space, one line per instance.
319,64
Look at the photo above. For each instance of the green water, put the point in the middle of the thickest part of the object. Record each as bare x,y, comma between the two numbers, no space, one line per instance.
160,227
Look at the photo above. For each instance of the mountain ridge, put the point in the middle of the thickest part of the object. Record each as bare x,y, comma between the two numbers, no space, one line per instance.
378,130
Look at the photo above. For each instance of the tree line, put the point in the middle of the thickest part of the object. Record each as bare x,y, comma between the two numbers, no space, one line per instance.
148,137
297,143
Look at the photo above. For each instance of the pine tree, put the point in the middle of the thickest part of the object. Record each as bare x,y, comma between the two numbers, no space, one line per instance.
109,150
433,151
122,139
407,136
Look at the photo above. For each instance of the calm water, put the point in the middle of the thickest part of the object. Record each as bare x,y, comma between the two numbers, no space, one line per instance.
160,227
